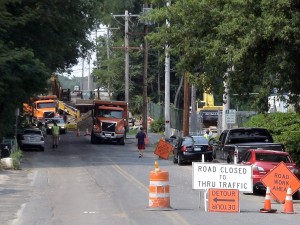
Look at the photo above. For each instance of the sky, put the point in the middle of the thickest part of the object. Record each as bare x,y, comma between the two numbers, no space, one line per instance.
88,67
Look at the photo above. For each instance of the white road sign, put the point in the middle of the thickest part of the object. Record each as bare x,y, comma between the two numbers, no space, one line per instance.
222,176
230,116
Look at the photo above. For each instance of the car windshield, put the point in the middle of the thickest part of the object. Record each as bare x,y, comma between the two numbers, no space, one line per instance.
200,140
57,120
263,157
32,132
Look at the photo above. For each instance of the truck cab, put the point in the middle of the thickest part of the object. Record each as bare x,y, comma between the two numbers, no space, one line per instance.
109,121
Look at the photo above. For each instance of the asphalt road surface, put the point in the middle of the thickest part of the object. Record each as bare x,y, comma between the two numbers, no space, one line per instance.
84,184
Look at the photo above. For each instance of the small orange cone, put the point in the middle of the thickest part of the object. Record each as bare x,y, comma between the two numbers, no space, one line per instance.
267,205
87,132
78,133
288,204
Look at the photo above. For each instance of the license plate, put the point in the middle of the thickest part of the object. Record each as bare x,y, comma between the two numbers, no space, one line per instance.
107,135
197,149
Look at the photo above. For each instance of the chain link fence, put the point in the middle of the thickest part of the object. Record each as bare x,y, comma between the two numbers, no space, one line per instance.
197,125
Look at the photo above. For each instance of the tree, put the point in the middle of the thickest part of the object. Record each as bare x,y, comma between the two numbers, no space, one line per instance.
259,38
38,38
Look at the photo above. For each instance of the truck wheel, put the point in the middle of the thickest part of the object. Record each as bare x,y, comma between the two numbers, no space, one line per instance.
122,141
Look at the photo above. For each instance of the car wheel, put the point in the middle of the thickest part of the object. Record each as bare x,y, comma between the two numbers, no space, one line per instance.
296,195
175,160
93,139
180,160
229,159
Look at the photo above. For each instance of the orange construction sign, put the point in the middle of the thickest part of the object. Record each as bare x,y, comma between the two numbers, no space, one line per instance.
223,200
163,149
279,180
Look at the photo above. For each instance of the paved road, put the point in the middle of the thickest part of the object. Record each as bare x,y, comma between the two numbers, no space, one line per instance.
84,184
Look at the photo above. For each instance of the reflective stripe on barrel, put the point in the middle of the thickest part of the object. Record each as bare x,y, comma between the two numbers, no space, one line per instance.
159,189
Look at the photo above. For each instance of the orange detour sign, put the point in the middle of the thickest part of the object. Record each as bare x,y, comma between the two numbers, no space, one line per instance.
223,200
163,149
279,180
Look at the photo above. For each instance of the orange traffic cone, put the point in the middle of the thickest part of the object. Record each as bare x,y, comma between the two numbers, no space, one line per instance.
78,133
87,132
288,205
267,205
159,190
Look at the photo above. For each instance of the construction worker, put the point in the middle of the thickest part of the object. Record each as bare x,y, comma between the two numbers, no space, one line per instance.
55,135
206,135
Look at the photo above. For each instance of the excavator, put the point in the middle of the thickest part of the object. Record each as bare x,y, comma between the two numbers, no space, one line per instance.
209,111
49,106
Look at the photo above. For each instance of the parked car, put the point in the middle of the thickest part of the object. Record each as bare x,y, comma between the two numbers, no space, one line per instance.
59,121
191,148
32,138
263,161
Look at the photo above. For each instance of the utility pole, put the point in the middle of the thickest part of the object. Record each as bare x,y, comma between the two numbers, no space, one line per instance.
194,120
126,58
145,76
167,86
126,40
186,106
82,78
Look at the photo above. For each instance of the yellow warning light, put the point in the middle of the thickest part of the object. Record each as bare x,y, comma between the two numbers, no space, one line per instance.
156,166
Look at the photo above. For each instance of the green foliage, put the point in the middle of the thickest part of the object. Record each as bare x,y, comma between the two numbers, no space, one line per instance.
258,38
38,38
16,157
284,127
158,125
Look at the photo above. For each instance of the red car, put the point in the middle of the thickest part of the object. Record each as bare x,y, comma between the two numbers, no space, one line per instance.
263,161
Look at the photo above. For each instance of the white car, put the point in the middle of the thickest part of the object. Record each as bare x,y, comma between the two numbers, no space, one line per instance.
32,138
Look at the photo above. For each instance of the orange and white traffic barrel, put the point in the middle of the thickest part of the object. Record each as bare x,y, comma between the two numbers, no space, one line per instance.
159,190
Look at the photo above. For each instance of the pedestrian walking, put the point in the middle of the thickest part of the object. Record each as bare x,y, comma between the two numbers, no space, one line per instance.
55,135
140,136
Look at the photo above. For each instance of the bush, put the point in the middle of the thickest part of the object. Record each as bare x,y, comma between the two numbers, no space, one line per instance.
158,126
285,129
16,156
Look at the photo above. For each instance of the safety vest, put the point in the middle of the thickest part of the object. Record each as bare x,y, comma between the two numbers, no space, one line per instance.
55,130
206,136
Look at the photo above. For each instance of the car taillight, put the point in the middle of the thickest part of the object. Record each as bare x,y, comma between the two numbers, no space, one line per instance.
258,169
210,148
183,148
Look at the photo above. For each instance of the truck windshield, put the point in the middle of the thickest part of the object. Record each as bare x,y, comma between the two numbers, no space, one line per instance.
110,114
45,105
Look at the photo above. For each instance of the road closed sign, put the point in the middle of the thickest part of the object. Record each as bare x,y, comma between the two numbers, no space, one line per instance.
223,200
222,176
